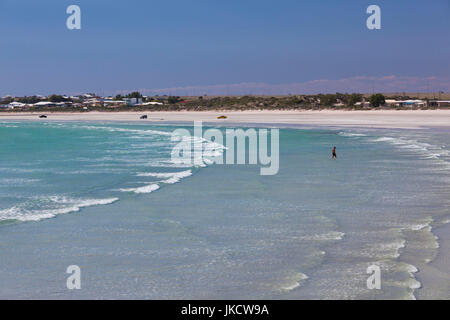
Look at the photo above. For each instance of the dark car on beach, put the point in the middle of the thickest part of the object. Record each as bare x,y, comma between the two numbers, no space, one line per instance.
43,116
144,117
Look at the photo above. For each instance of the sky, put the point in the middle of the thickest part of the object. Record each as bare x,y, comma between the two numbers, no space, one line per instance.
182,47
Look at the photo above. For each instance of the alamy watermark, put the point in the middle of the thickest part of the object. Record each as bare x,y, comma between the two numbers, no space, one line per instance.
374,281
374,20
74,20
238,146
73,282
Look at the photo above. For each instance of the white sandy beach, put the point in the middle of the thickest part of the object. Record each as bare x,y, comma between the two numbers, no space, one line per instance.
369,119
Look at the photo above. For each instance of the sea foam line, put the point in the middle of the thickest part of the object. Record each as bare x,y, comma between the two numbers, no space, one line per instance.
24,214
428,150
171,177
351,134
330,236
139,190
115,129
296,283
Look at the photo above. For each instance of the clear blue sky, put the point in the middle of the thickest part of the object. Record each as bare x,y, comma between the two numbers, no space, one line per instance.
125,45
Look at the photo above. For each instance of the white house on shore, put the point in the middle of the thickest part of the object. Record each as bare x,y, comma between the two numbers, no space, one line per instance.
440,103
16,104
43,104
363,104
152,103
52,104
109,103
406,103
133,101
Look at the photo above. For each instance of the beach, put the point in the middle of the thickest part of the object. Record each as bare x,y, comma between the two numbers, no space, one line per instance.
273,152
406,119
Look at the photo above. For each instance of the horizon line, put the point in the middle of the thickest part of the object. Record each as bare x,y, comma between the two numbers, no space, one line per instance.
357,84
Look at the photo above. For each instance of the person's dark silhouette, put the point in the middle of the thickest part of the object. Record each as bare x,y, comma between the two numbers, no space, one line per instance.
334,157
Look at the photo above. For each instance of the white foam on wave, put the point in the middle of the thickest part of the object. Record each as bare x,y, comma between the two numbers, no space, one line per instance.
418,227
330,236
413,284
204,150
295,282
351,134
55,205
17,181
136,131
410,284
393,248
436,238
386,139
425,149
426,226
171,177
438,154
145,189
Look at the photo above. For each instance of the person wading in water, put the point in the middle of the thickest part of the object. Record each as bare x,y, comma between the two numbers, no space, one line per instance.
334,157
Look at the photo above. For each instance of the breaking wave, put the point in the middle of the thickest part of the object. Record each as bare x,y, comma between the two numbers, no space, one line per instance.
49,207
171,177
145,189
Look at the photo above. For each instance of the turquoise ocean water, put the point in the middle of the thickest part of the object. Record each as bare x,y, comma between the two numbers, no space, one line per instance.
106,197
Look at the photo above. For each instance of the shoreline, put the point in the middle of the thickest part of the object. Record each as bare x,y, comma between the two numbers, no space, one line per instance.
398,119
436,273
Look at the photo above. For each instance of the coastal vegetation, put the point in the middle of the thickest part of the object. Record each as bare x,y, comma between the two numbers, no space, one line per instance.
92,102
377,100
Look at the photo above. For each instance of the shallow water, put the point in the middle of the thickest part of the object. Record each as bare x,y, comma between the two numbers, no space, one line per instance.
106,197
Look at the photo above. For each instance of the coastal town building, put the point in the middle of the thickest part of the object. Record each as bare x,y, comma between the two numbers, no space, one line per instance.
363,104
15,104
113,103
152,103
133,101
440,103
44,104
405,103
94,102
